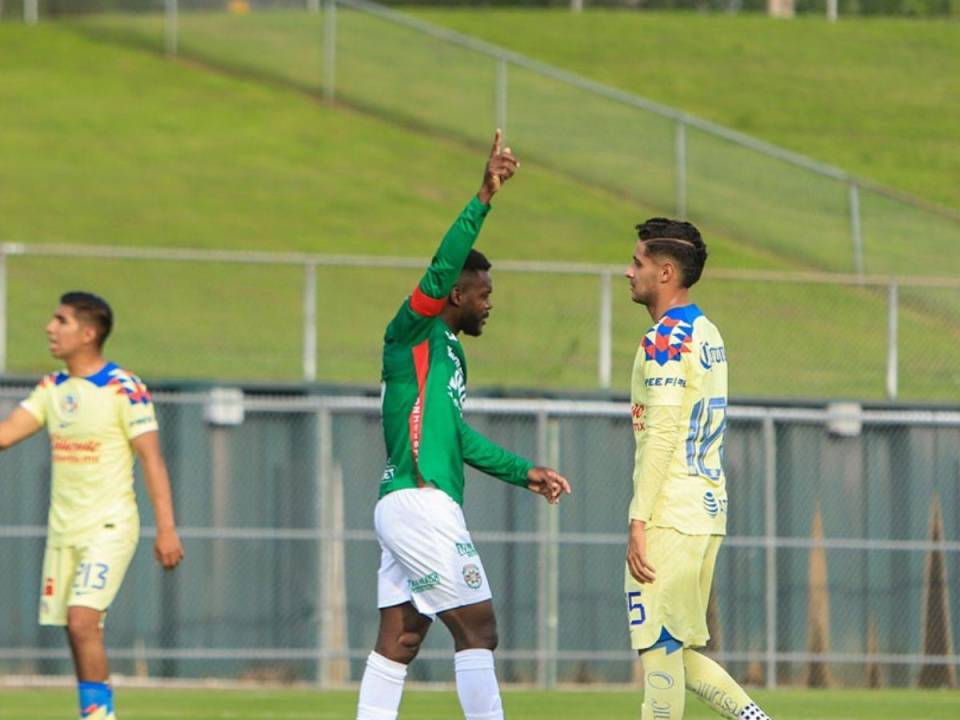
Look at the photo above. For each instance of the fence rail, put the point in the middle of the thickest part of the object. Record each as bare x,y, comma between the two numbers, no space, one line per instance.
770,449
603,274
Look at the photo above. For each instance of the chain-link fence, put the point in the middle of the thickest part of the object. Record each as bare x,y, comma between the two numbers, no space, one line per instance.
410,71
836,570
33,10
295,317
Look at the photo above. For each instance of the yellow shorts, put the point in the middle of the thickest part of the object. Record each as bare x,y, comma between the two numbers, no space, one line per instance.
677,599
87,575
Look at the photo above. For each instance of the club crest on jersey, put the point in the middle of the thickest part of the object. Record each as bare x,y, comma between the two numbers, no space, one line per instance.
69,404
668,341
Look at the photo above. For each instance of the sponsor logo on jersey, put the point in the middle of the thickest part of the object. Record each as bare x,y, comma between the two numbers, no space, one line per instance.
466,550
76,452
637,411
457,387
710,356
424,583
668,341
665,382
714,505
48,587
389,473
472,576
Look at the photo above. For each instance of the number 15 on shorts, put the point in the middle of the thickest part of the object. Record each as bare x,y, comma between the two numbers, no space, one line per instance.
635,610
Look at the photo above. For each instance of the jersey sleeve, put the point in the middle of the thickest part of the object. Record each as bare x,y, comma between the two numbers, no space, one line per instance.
668,377
486,456
136,408
429,297
652,461
36,402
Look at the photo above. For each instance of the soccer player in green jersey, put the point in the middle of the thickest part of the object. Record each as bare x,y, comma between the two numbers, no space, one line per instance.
678,514
429,566
99,417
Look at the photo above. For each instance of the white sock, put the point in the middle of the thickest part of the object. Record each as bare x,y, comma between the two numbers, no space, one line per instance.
753,712
381,689
477,685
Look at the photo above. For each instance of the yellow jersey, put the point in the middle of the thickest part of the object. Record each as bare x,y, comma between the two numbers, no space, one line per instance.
91,421
679,403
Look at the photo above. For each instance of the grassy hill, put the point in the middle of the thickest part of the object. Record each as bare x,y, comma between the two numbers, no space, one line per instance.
112,145
878,97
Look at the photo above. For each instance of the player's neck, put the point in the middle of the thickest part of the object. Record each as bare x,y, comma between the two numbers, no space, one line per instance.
451,319
84,364
666,303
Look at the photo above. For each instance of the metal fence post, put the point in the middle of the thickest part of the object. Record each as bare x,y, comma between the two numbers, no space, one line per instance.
323,502
832,10
893,322
31,12
501,99
680,156
853,198
309,322
329,49
770,547
605,352
3,309
548,565
171,26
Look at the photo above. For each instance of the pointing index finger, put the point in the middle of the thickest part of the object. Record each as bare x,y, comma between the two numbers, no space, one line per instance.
495,150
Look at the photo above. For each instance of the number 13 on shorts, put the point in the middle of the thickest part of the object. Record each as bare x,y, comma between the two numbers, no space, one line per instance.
635,610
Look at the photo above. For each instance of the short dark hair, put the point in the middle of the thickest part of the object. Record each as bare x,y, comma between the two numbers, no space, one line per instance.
91,309
476,262
680,241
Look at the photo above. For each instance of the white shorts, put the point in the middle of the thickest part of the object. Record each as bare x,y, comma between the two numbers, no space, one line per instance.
428,558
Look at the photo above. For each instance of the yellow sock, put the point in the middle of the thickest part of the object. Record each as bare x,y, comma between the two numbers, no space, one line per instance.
663,686
711,683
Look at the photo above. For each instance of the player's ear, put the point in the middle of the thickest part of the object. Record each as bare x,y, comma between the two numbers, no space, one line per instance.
88,333
456,296
668,271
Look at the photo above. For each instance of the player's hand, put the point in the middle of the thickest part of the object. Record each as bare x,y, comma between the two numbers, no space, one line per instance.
643,572
167,549
500,167
549,483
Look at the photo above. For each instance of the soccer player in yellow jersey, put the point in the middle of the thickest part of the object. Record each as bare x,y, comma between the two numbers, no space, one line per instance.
678,513
99,417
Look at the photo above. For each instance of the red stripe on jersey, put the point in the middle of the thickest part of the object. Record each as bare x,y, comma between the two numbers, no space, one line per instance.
423,304
421,363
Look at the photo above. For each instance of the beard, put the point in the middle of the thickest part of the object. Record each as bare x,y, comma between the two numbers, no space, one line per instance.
472,325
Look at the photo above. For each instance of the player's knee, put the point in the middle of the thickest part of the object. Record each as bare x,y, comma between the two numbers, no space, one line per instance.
402,649
483,636
410,644
82,626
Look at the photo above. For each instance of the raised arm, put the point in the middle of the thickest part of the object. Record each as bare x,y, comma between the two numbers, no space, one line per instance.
167,548
430,295
17,426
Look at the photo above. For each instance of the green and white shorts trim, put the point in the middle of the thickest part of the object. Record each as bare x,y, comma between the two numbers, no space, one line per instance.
428,557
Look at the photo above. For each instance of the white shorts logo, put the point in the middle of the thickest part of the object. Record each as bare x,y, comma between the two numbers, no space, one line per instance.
472,576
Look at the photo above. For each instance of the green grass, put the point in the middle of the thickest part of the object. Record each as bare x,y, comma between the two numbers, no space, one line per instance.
799,215
879,97
530,705
113,145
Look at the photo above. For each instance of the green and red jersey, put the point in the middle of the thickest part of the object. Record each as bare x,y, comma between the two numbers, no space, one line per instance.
425,381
